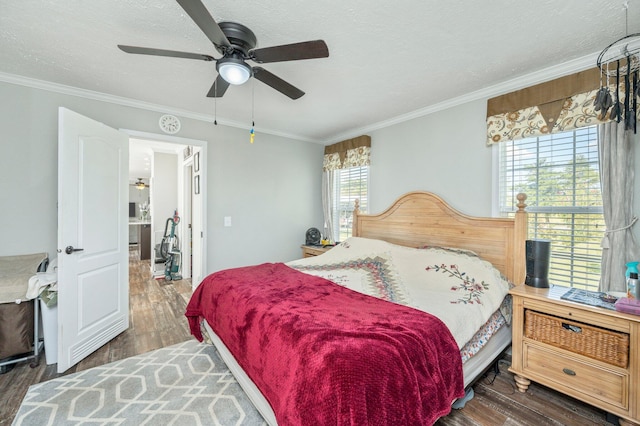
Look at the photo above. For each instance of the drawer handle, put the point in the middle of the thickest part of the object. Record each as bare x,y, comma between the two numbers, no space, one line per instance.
570,327
569,372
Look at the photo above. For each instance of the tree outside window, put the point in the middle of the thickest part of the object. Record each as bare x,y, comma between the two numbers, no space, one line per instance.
560,175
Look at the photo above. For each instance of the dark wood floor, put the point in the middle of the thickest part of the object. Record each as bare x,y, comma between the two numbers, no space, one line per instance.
157,320
156,315
498,403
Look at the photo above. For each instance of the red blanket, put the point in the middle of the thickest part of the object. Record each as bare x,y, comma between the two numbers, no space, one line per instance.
322,354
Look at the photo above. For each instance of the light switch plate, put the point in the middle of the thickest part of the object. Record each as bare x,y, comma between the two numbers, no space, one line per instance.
227,221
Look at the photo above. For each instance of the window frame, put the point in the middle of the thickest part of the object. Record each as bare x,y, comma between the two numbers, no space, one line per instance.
587,277
340,233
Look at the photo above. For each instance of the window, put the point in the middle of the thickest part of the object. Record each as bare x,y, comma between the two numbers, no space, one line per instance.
560,175
348,185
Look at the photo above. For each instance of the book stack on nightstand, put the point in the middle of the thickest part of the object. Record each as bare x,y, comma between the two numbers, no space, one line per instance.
587,352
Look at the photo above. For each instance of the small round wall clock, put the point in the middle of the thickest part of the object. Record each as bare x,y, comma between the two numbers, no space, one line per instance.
170,124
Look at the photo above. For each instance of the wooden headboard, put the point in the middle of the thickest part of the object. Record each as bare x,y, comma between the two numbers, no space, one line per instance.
420,219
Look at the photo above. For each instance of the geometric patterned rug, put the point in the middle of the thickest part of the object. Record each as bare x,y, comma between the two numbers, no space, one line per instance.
184,384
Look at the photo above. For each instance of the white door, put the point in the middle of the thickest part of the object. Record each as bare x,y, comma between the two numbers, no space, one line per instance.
93,249
197,226
186,225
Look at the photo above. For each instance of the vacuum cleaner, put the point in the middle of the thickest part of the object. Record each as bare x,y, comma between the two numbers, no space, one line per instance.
170,249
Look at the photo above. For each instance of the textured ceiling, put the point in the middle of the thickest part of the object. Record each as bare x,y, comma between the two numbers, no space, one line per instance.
387,59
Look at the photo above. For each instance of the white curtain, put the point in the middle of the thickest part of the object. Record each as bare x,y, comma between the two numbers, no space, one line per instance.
353,152
616,180
327,202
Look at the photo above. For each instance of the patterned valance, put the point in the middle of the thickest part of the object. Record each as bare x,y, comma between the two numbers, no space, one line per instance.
555,106
349,153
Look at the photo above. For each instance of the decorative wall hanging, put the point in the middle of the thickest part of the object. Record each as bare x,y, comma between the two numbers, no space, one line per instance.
593,96
619,64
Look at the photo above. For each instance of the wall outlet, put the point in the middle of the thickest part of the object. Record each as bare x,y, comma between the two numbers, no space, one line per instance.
227,221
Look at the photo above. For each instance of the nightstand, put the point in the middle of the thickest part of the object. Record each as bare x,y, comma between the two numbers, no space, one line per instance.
586,352
310,251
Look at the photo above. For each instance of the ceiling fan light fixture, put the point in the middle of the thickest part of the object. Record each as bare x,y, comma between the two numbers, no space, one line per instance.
233,70
237,44
140,185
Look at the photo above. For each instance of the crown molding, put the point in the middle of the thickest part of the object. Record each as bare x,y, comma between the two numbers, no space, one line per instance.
556,71
118,100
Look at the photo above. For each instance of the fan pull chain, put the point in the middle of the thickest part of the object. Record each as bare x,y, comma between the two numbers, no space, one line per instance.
252,133
215,105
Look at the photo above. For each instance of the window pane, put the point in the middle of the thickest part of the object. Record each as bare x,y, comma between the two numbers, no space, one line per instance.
349,184
560,175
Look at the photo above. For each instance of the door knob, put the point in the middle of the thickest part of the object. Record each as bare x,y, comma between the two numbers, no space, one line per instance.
70,249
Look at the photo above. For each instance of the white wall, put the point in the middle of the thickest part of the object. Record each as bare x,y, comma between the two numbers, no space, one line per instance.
270,188
272,197
164,198
445,153
164,189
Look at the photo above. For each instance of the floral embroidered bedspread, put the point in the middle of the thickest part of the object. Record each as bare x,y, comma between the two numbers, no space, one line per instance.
323,354
466,292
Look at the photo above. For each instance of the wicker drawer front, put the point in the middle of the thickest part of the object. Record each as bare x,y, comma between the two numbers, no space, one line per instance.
594,384
598,343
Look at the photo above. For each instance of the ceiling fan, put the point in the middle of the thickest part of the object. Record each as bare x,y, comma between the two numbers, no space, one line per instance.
139,184
237,45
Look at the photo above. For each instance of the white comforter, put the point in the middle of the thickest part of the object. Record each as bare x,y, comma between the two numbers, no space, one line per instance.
456,286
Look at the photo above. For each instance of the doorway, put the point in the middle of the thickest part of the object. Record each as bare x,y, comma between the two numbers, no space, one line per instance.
169,168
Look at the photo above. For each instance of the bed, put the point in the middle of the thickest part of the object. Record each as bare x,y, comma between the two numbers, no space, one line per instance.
347,337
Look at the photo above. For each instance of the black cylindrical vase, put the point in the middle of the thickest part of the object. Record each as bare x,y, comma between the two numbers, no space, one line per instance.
538,254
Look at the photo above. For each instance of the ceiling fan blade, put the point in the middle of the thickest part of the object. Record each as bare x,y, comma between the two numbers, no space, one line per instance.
218,88
291,52
163,52
277,83
203,19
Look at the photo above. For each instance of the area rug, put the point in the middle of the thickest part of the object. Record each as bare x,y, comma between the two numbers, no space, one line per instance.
184,384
